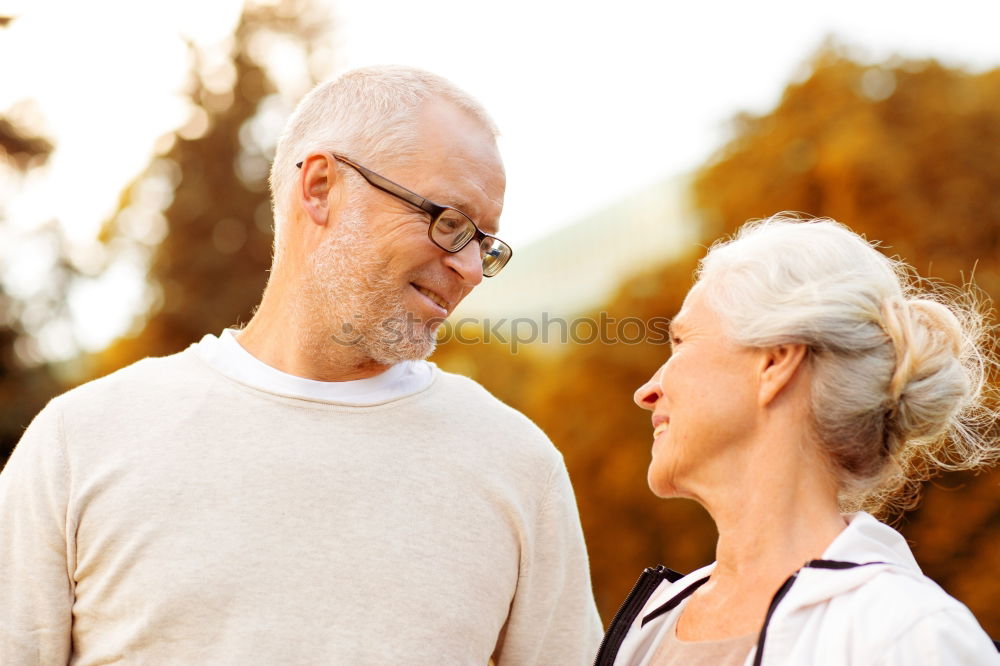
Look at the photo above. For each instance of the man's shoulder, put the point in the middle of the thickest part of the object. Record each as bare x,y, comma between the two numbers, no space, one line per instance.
148,377
468,391
467,386
472,404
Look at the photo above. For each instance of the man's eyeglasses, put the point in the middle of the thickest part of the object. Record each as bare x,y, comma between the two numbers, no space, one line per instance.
450,229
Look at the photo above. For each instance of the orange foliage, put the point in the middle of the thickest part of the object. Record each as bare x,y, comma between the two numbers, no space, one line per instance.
905,153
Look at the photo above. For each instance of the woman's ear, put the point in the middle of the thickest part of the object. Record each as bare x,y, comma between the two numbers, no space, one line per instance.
315,187
779,366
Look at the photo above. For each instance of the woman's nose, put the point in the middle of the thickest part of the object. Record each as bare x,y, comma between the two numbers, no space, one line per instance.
649,393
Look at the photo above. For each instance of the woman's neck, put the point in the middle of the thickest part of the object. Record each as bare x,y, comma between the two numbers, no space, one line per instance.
772,542
773,515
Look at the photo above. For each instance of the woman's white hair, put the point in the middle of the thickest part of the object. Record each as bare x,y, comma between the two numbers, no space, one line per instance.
370,114
899,364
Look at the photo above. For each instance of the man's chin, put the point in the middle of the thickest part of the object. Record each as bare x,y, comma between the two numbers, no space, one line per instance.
399,353
414,342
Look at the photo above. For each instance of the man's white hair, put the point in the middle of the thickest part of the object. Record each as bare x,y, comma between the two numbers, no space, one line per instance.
369,114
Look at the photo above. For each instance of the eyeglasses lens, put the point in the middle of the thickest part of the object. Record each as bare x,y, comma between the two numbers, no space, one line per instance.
495,253
452,230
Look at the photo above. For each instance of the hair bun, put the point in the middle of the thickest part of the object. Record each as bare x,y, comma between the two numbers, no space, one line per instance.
929,384
901,367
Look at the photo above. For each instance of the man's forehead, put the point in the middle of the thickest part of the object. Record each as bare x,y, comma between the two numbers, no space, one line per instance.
487,220
475,190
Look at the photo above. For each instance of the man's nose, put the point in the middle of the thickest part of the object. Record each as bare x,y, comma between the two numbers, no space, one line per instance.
468,263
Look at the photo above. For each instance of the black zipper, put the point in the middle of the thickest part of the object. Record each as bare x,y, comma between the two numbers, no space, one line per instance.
627,612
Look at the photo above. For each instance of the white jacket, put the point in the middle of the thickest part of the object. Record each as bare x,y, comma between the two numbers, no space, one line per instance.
884,612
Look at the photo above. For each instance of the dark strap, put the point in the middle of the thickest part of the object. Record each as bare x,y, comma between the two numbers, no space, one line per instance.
629,610
673,603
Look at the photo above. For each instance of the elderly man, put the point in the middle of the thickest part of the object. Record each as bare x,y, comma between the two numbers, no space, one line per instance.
309,490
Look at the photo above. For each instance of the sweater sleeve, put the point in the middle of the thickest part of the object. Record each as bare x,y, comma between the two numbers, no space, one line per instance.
948,637
553,618
35,587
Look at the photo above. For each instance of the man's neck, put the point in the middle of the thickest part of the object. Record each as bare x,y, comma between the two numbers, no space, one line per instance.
287,338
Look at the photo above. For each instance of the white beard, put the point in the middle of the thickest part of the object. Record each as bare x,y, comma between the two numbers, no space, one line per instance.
353,301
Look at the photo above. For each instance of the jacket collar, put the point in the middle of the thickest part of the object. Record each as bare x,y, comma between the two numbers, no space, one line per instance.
867,540
864,541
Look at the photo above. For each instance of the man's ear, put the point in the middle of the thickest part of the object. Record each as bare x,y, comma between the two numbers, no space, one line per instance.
779,366
316,187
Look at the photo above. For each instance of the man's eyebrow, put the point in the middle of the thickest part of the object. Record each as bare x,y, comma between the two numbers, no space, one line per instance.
463,205
489,227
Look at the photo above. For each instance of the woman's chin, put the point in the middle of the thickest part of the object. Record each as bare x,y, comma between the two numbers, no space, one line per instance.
661,484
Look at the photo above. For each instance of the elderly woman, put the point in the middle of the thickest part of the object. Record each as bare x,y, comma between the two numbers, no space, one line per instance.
808,374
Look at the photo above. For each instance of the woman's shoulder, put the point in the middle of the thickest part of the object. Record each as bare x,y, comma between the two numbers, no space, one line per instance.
873,599
903,592
908,618
870,568
876,613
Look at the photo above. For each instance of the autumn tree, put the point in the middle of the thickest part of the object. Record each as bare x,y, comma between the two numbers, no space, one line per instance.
26,382
903,152
210,244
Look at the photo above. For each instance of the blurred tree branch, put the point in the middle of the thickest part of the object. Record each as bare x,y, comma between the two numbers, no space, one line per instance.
21,147
209,269
24,387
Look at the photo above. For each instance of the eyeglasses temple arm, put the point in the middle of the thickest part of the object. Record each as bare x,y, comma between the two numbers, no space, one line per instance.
395,189
389,187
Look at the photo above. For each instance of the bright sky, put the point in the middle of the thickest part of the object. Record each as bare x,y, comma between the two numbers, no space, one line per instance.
595,100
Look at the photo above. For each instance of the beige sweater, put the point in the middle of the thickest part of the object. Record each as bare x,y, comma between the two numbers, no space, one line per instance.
167,514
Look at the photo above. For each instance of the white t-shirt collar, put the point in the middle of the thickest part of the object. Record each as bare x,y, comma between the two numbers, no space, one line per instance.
227,355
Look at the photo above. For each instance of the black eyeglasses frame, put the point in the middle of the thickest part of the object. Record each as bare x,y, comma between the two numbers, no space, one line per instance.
434,210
